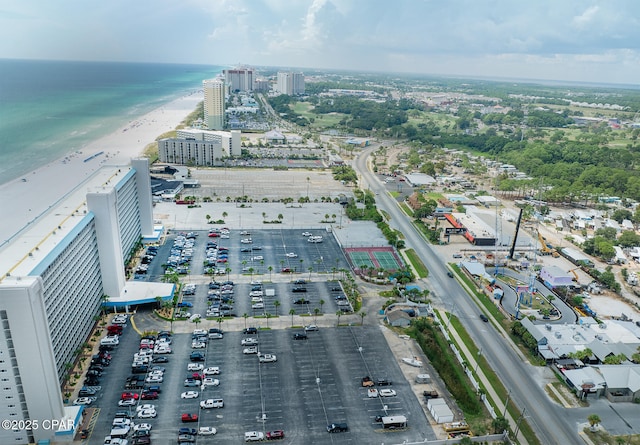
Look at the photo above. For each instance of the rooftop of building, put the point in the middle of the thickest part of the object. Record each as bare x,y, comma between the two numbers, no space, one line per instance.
34,228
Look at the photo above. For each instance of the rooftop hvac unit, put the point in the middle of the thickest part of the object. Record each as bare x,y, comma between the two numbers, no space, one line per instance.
558,334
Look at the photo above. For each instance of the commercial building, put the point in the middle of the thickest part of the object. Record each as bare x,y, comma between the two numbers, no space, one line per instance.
54,276
214,95
200,147
290,83
240,79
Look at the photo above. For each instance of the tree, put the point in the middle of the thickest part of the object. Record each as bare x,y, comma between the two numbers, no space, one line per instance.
321,303
500,424
245,316
292,312
220,320
225,214
594,421
362,315
276,303
338,314
197,321
270,269
316,311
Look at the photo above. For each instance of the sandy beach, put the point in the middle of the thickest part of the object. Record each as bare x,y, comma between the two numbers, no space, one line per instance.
25,198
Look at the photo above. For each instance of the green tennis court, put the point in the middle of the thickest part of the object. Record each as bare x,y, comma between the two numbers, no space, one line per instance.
386,260
359,259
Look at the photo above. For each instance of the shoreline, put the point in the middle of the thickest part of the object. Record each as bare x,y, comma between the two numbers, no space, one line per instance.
30,195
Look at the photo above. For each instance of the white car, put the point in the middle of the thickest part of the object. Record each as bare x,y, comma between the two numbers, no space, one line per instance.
257,258
145,406
267,358
199,332
253,436
249,341
195,317
255,293
83,401
162,350
189,395
250,350
147,414
387,393
212,403
198,345
209,381
246,240
142,427
110,341
255,300
154,379
207,431
224,236
291,255
195,367
127,402
257,306
211,370
306,233
311,327
115,441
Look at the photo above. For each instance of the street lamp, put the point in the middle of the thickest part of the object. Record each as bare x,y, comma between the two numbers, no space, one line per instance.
506,404
478,362
520,419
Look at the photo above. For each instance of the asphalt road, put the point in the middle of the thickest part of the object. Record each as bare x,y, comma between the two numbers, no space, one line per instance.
523,380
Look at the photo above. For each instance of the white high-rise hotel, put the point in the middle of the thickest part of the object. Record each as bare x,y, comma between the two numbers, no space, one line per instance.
214,95
290,83
53,276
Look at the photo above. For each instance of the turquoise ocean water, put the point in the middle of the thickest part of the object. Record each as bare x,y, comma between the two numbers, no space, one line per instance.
51,108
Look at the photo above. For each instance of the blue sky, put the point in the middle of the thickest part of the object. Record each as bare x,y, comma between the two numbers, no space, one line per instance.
574,40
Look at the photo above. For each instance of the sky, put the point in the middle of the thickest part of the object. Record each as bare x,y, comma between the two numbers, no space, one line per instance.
566,40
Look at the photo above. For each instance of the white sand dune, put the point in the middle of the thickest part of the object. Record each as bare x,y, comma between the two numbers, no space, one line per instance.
25,198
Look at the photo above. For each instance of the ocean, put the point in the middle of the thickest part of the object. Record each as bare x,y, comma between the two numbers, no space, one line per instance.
49,109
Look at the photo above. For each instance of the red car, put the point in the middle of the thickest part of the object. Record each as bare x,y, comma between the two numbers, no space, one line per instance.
149,395
189,418
285,270
129,395
214,235
274,435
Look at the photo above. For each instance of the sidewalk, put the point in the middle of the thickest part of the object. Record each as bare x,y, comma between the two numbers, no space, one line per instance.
473,364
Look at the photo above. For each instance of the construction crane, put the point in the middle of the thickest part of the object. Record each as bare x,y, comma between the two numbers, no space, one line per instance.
545,249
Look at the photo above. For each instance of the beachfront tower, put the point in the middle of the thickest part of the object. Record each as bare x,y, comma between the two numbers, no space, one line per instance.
290,83
213,103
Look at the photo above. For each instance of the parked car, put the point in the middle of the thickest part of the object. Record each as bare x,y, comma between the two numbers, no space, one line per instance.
300,336
387,393
267,358
189,417
189,395
311,327
211,370
253,436
250,330
249,341
207,431
275,435
212,403
250,350
337,427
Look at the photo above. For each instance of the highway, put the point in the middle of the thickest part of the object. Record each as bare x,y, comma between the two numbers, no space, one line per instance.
526,382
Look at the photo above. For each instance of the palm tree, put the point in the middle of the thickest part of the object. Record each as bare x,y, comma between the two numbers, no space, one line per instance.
225,214
362,315
197,321
268,316
333,273
292,312
316,311
280,217
270,269
594,421
310,269
251,272
338,314
321,302
228,271
277,305
159,302
220,320
245,316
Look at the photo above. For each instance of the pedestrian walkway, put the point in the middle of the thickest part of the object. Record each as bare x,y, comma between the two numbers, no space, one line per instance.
473,364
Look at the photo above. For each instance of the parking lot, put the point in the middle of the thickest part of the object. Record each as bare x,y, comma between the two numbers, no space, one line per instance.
312,382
